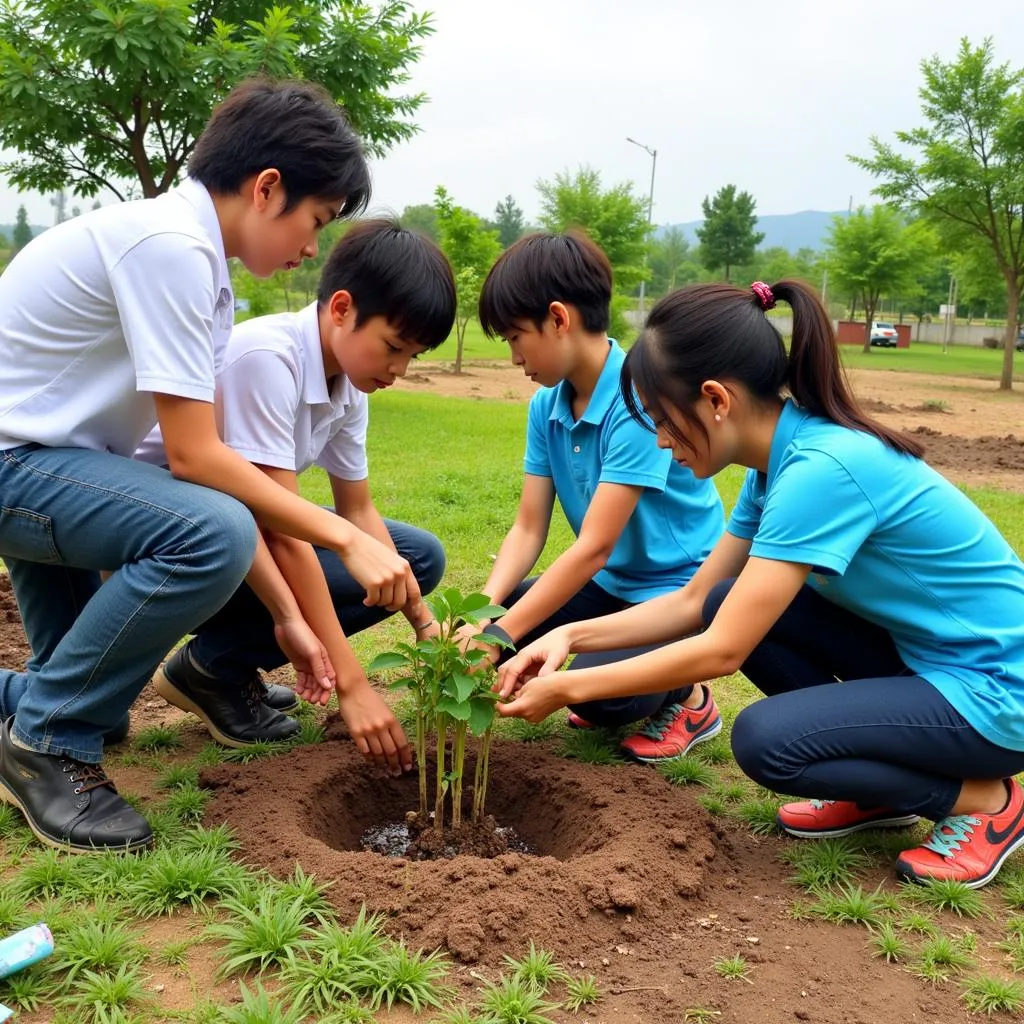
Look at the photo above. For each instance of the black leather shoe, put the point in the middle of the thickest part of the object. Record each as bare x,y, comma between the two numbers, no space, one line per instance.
119,733
280,698
68,804
233,712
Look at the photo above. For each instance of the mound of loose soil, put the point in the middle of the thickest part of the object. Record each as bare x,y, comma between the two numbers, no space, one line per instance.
610,844
14,649
979,454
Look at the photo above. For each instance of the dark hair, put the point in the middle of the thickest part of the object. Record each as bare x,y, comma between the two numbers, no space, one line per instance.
392,272
540,269
719,332
294,126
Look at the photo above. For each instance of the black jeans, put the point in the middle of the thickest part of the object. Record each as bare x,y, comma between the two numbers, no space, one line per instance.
240,637
591,602
845,719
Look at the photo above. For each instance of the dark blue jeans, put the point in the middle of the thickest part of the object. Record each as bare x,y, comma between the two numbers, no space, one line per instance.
592,602
845,719
239,638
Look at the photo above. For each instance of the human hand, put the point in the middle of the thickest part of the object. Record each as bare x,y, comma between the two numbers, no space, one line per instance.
469,639
536,699
374,728
314,675
545,655
385,574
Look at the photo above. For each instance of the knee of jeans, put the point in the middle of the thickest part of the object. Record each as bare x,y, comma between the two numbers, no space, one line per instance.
713,601
230,533
430,562
753,747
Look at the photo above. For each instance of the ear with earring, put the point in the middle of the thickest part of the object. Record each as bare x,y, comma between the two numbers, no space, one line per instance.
718,419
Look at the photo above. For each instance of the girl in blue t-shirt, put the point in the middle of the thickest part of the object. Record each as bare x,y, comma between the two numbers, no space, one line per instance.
877,608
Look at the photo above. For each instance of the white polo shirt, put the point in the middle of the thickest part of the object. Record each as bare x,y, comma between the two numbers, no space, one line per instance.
274,405
101,311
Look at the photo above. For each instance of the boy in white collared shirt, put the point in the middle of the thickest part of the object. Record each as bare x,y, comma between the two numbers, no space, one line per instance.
291,393
110,323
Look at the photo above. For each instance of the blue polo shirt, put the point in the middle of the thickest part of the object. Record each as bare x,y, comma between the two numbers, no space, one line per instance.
894,542
678,518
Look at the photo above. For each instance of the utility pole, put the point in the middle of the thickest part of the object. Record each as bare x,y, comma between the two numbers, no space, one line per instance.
653,153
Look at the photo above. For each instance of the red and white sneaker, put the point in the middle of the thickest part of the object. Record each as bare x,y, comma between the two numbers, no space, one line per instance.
575,722
674,730
823,819
968,848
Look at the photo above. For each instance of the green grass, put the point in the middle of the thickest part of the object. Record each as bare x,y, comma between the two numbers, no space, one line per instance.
924,357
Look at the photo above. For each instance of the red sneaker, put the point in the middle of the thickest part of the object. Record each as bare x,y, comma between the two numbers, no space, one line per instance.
821,819
575,722
969,848
672,731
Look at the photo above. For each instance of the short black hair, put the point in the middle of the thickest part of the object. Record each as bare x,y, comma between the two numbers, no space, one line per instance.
294,126
396,273
544,268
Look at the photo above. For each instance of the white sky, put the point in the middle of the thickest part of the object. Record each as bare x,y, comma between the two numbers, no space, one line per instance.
771,96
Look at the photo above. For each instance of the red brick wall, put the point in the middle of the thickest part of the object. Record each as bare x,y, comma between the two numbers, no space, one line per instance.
851,332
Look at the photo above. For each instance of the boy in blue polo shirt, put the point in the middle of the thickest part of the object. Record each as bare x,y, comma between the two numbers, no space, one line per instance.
643,524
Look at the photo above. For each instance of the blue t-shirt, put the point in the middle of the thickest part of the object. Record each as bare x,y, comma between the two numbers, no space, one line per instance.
677,520
891,540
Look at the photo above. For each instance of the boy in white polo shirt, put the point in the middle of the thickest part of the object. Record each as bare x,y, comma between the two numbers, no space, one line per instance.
291,393
108,324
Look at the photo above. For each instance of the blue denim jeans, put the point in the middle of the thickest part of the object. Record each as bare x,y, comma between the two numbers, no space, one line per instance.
239,638
590,602
67,513
845,719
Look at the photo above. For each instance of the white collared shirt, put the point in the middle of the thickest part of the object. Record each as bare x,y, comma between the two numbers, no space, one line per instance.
101,311
273,404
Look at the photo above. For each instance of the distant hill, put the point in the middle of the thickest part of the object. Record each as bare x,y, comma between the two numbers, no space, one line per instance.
792,231
7,230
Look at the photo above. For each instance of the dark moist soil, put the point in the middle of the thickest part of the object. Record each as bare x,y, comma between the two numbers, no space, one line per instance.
980,454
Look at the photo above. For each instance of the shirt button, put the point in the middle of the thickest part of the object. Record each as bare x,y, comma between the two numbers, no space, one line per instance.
577,449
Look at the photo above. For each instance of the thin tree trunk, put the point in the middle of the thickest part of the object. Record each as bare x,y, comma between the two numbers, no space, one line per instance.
1010,341
460,338
869,314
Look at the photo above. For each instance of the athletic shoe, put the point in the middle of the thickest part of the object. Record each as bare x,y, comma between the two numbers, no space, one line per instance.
68,804
968,848
233,712
575,722
823,819
674,730
280,698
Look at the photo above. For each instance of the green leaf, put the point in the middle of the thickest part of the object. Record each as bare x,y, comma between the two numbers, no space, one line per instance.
481,715
464,687
388,660
487,611
447,706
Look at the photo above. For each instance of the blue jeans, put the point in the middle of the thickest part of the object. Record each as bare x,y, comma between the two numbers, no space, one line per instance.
239,638
67,513
880,736
592,602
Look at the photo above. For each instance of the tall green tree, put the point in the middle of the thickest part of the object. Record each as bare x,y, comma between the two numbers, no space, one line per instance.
966,171
22,232
508,216
97,96
670,258
871,254
422,218
471,249
727,236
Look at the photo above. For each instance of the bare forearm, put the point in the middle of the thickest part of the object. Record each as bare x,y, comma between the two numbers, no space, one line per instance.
660,620
300,567
269,584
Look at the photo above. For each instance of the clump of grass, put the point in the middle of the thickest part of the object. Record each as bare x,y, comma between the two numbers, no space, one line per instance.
311,893
350,1013
713,804
700,1015
310,733
825,863
48,873
319,986
158,738
713,751
10,821
850,904
580,992
947,894
685,771
730,792
409,976
538,968
173,878
263,936
527,732
939,958
1013,947
935,405
590,746
254,752
187,804
888,944
1013,891
12,910
735,968
179,776
175,954
29,989
219,839
257,1007
96,945
107,998
917,922
1014,926
211,754
511,1001
993,995
761,815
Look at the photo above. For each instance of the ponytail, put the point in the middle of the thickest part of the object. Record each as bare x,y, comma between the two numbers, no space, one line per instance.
719,332
817,379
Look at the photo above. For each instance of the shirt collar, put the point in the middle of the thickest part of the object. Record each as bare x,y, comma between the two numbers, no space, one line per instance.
197,196
605,390
314,383
790,420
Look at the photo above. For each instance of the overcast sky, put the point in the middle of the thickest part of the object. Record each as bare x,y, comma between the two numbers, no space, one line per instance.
769,96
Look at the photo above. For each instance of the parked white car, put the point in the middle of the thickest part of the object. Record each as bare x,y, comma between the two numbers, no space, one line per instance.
883,335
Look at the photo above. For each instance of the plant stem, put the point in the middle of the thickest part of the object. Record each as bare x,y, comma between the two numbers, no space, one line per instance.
421,758
458,759
441,724
483,768
478,775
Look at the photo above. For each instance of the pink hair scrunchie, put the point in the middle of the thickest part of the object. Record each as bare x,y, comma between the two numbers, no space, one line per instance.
764,295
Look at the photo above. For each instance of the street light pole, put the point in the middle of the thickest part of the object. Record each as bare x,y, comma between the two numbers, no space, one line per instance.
653,153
